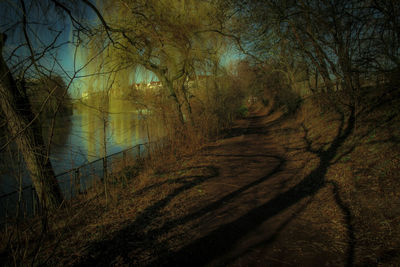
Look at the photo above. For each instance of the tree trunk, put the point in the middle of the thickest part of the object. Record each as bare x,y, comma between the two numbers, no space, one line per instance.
169,85
27,132
186,103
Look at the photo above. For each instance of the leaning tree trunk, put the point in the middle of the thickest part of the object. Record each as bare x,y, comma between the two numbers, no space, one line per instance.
27,132
183,98
169,85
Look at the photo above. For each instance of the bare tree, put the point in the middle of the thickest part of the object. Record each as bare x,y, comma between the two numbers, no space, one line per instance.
338,41
168,38
23,125
34,30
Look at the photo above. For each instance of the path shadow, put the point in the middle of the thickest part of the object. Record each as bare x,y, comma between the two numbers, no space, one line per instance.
102,253
218,203
272,237
179,179
251,129
348,220
223,239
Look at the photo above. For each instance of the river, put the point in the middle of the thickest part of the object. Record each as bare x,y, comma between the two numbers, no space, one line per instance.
79,139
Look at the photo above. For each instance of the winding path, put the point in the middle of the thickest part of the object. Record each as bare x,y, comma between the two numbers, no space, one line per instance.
256,207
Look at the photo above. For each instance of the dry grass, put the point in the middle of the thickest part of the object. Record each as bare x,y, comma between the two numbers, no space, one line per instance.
365,172
353,216
91,217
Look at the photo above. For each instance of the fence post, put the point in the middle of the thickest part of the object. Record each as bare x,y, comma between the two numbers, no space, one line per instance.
6,208
34,207
105,173
124,157
71,185
77,181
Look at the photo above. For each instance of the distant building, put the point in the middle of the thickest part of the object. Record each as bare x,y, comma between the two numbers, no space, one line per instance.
84,95
122,92
148,86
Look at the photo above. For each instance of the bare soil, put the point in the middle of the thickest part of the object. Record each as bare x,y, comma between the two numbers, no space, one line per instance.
311,189
273,192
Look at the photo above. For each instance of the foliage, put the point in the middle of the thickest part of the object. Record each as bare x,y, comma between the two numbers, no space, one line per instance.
175,40
243,111
331,45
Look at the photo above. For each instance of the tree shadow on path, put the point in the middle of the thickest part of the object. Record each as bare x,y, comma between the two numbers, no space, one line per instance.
223,239
104,252
253,127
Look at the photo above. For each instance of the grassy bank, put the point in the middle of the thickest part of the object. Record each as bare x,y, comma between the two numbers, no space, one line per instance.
357,162
336,174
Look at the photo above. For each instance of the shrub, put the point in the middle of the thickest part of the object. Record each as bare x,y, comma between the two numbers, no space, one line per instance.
243,111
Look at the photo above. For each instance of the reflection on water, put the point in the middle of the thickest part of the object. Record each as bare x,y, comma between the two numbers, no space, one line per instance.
79,138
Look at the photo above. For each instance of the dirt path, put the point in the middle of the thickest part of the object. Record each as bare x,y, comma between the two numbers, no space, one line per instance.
259,207
247,200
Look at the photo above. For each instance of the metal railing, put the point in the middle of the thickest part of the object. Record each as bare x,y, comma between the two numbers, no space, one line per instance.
72,182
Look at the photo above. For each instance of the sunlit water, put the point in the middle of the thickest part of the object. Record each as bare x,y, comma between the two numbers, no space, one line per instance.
85,141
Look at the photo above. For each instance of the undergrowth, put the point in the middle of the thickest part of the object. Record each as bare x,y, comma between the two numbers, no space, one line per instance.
362,175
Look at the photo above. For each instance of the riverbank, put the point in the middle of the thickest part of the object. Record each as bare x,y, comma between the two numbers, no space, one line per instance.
315,188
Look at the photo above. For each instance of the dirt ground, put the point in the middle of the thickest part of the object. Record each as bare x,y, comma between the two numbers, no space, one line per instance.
258,197
310,189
